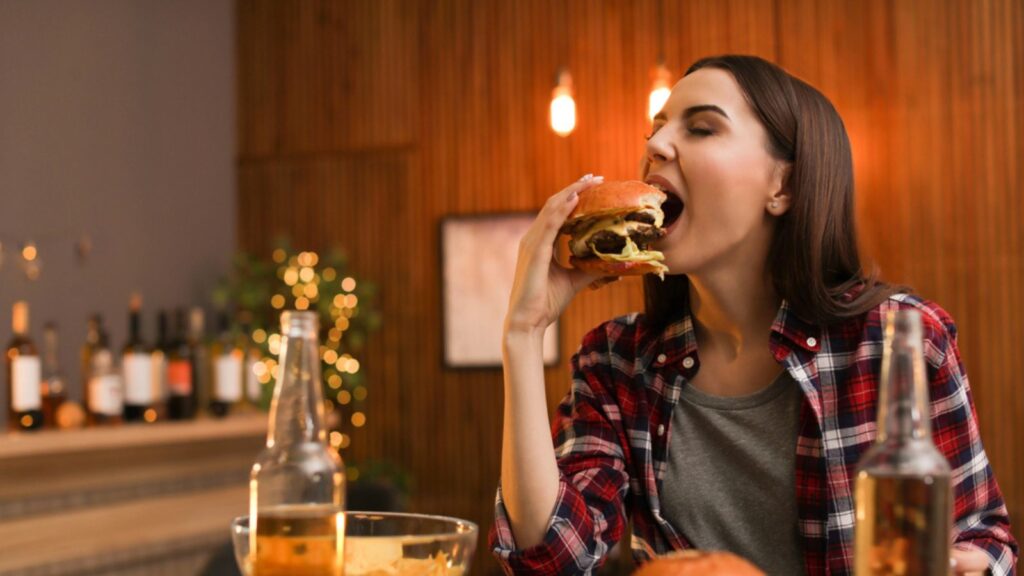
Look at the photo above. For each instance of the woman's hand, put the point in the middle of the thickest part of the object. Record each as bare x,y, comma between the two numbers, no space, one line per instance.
968,561
542,288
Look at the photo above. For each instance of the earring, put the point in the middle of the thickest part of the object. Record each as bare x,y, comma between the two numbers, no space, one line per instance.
773,205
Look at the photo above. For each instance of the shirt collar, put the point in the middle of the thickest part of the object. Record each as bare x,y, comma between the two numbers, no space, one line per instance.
676,343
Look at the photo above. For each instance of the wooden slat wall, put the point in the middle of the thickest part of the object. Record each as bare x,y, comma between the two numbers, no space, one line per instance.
363,122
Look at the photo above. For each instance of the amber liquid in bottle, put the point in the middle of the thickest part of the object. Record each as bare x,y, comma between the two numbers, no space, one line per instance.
903,496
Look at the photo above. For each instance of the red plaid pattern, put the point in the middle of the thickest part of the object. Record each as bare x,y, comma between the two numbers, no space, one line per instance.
611,438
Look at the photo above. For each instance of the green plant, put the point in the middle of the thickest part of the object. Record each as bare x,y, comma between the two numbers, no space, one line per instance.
259,289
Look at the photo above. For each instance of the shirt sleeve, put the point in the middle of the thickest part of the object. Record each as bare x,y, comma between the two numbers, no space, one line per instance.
980,517
589,513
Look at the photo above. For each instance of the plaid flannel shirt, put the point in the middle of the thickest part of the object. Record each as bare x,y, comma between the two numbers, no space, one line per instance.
611,440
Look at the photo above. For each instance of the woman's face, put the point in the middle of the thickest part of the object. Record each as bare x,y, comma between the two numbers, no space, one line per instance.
709,151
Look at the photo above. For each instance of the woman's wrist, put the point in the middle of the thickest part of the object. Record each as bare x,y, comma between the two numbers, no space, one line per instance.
522,334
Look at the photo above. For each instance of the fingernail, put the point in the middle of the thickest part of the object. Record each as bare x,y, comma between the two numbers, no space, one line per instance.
586,177
598,178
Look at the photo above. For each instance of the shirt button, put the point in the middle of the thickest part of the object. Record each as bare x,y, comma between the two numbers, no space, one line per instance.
812,342
662,358
688,362
661,429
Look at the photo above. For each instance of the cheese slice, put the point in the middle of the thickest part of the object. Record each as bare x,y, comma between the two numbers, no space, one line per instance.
632,253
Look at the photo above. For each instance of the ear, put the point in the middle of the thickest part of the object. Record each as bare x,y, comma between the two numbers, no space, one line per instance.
780,198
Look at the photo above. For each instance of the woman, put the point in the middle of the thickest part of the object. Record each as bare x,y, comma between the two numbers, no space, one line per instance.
753,342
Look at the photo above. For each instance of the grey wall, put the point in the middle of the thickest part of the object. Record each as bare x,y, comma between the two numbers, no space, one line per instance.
116,121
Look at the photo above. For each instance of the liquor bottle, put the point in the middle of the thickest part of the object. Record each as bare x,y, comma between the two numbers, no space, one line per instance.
24,375
297,487
54,386
251,355
227,369
137,364
180,374
201,369
903,496
104,389
160,351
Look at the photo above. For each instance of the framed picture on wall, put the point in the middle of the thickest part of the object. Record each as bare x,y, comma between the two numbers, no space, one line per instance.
478,256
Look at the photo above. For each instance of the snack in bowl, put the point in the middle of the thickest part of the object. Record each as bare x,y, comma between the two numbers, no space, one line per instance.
698,563
612,226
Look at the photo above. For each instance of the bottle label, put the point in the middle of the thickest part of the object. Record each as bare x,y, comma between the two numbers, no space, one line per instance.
26,393
160,375
179,377
227,371
138,379
252,383
105,395
102,362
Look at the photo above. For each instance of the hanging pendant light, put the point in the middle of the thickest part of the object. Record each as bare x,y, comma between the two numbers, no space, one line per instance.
661,87
661,78
563,107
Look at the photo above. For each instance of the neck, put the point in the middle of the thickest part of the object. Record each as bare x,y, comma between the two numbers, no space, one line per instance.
733,312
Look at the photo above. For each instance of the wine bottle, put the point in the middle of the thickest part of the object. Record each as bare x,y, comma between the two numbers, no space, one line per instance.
160,351
104,389
24,375
227,369
137,366
902,493
180,374
297,487
201,368
54,386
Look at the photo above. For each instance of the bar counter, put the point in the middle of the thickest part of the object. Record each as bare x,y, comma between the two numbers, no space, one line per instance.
131,499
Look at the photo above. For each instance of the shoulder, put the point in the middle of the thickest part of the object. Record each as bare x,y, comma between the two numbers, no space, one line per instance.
617,332
614,342
938,327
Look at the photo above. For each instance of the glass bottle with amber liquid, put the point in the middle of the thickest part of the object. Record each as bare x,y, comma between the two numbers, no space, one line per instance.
297,485
903,497
24,375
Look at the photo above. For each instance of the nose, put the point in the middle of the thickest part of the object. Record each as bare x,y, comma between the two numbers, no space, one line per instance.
659,148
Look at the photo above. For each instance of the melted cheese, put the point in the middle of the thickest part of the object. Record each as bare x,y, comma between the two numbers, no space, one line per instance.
632,253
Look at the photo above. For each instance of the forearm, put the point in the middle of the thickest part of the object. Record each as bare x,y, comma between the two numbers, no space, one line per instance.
529,471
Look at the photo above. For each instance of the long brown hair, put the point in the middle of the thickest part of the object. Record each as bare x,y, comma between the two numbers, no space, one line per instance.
813,258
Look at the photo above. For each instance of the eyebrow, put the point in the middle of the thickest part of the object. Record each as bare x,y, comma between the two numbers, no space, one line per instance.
694,110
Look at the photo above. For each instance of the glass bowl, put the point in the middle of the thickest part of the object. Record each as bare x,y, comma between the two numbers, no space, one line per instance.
380,543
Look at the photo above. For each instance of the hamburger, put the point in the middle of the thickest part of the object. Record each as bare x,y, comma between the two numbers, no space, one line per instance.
612,227
698,563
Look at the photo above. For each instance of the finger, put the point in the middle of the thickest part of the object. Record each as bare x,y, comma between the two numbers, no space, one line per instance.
557,209
968,561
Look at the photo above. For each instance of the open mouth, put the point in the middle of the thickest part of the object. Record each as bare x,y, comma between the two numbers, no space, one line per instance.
673,208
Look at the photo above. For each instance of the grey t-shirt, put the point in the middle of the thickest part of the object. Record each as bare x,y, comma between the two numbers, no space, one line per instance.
730,482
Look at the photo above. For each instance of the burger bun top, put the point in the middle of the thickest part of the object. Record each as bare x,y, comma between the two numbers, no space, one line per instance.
615,197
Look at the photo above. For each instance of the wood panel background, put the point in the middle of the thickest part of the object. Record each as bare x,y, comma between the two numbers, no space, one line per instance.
363,122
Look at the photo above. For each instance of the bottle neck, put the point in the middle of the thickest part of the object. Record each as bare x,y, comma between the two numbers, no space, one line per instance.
903,411
134,327
19,319
296,411
50,350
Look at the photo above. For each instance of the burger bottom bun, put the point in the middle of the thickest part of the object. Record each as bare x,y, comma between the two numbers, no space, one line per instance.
604,268
694,563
